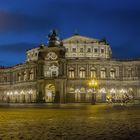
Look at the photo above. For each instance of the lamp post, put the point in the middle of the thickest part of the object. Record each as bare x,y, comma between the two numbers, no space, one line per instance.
93,83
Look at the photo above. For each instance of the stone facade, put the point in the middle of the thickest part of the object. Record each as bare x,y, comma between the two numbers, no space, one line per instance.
60,71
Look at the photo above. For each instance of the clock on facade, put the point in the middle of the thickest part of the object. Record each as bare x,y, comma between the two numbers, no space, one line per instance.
52,56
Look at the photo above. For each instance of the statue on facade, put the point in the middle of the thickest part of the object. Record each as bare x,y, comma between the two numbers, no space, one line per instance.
53,39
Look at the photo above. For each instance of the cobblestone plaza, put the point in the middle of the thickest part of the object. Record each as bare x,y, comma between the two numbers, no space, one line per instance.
69,122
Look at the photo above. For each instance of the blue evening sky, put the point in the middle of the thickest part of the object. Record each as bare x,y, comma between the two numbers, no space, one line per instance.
25,24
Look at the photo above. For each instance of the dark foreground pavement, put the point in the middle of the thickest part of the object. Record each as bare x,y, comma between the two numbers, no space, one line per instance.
69,122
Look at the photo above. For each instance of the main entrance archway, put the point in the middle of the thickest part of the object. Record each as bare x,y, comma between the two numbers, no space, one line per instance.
49,93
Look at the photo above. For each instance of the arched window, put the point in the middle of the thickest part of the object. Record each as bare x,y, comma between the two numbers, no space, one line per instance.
103,73
102,90
112,92
71,89
82,90
24,75
82,72
31,74
92,72
129,72
19,76
71,73
103,94
112,73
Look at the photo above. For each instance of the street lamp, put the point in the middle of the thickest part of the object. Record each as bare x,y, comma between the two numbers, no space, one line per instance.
93,83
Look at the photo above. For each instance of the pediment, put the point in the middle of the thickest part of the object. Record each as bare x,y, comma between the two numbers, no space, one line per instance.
79,39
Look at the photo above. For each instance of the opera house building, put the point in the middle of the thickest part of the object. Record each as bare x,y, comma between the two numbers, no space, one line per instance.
63,72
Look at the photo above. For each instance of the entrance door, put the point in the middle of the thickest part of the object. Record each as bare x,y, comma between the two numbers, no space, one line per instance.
49,93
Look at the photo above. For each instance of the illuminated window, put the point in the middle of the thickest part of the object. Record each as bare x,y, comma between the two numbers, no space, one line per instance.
71,73
82,73
31,75
103,73
129,72
24,76
93,73
16,93
112,73
71,89
83,90
112,91
102,90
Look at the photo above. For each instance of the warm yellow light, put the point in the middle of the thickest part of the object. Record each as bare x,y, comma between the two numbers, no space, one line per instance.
122,90
49,94
77,91
89,83
93,83
108,97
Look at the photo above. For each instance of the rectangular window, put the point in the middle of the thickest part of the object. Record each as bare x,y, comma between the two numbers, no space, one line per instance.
73,49
31,75
92,74
71,73
89,50
5,79
67,49
24,76
129,72
103,74
102,50
95,50
82,74
81,50
112,74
